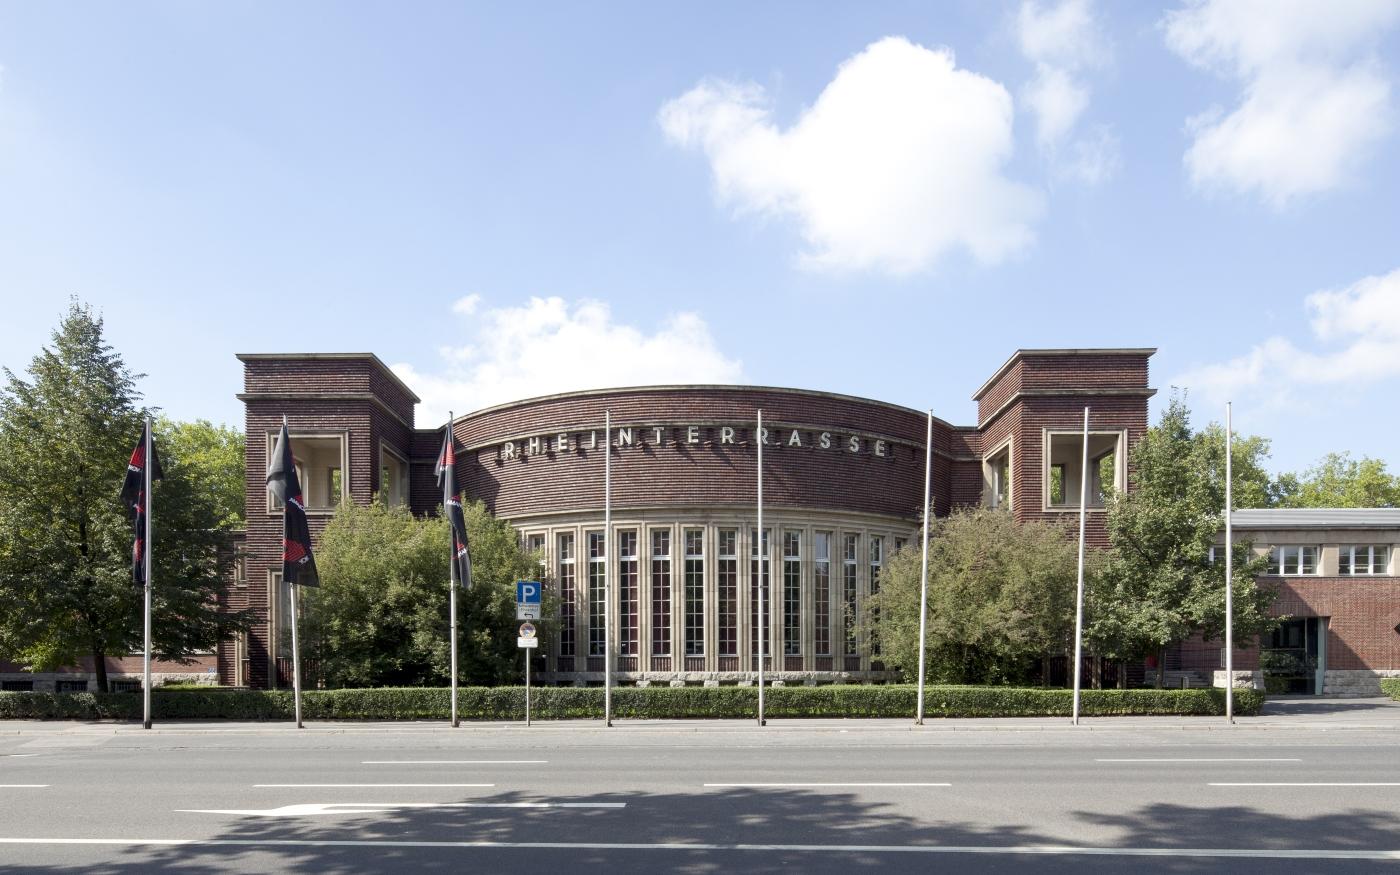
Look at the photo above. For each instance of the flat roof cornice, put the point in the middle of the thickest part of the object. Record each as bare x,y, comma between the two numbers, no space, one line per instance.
331,356
1022,353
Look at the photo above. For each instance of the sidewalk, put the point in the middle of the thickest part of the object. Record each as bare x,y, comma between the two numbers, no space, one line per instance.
1298,713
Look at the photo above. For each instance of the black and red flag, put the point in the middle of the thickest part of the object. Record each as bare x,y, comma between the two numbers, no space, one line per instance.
446,471
298,565
138,502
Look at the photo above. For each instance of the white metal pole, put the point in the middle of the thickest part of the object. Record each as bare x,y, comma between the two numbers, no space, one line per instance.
1229,573
607,568
146,562
1079,586
527,685
762,555
452,581
923,574
296,658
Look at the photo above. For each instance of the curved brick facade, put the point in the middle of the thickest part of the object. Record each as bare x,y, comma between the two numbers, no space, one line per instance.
695,446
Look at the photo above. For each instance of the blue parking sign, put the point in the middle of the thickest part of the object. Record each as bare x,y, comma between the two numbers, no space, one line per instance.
527,592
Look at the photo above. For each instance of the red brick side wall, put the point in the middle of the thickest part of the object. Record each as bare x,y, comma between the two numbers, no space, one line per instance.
1364,612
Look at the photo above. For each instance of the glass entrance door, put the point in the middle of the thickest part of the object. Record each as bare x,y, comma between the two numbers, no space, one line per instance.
1292,656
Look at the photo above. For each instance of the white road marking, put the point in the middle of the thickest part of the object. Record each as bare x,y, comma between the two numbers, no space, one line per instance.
822,784
1304,784
21,754
980,850
315,808
22,786
373,785
1203,760
450,762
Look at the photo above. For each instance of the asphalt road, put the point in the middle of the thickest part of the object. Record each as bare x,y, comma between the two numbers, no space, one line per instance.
829,796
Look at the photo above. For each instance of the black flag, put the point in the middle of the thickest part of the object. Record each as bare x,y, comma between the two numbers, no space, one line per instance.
138,502
446,472
298,565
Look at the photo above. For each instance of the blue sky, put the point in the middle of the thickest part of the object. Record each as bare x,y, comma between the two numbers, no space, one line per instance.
882,199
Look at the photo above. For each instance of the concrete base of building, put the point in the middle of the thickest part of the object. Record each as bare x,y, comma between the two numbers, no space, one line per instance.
1356,683
1248,679
77,682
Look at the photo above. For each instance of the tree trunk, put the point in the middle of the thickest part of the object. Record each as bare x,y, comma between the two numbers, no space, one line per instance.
99,665
1161,668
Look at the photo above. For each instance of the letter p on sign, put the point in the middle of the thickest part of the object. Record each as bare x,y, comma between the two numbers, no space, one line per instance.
527,592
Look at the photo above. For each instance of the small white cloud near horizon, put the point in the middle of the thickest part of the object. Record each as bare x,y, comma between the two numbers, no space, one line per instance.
1065,43
1358,328
1314,103
898,162
549,345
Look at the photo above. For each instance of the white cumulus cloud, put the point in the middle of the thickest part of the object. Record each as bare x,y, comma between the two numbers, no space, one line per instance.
1357,332
898,162
549,345
1315,100
1063,41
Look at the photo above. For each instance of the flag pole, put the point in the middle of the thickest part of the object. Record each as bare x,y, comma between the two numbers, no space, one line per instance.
607,568
1079,586
1229,574
146,563
759,549
923,573
292,589
452,585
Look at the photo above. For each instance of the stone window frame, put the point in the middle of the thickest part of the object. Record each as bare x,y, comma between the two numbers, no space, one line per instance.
990,492
401,458
1120,467
343,436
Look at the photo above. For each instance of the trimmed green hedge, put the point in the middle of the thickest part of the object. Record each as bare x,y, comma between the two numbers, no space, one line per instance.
1391,687
508,703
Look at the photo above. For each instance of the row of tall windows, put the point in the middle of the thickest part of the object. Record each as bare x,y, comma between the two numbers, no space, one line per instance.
692,593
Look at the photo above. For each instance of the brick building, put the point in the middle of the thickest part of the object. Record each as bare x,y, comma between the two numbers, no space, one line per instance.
843,486
843,483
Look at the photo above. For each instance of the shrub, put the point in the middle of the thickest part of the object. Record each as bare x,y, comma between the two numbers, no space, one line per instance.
656,703
1391,687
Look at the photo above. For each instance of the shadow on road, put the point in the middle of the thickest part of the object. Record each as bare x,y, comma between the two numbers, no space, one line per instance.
751,817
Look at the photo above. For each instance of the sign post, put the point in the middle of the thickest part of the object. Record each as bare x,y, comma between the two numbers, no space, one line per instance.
527,608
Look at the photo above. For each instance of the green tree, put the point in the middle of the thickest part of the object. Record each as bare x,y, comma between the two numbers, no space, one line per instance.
1338,480
66,434
214,453
380,616
1157,585
1000,599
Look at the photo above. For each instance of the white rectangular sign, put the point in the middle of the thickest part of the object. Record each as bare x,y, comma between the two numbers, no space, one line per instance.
527,642
529,611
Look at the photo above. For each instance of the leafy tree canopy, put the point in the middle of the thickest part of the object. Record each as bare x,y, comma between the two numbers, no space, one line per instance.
1000,598
214,453
1158,585
66,434
380,616
1338,480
